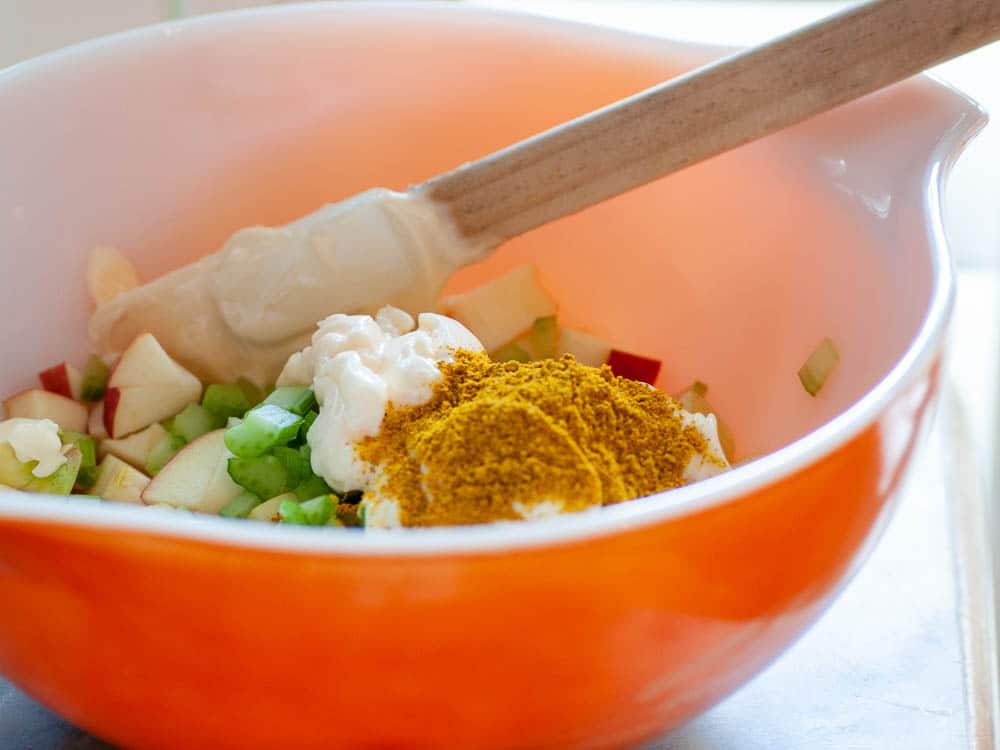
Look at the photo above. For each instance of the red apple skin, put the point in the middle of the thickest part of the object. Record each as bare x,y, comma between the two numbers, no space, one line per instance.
111,398
56,380
634,367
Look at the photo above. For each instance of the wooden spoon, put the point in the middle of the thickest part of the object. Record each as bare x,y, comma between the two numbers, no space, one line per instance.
710,110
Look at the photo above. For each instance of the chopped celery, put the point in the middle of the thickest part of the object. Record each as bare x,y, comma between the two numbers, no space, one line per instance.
61,481
295,468
512,351
94,379
291,512
240,506
543,337
195,421
311,486
817,368
264,476
86,478
162,452
306,451
168,425
307,422
296,399
226,400
262,428
313,512
86,444
319,510
250,389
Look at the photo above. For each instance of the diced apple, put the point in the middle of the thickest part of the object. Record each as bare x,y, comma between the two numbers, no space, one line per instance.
588,350
268,510
95,422
118,481
197,478
502,309
63,379
18,476
135,448
109,273
145,386
634,367
39,404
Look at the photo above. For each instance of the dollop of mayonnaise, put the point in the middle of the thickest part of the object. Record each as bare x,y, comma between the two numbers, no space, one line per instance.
34,440
356,365
246,308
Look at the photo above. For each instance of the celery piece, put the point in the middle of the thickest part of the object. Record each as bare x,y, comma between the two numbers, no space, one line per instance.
250,389
311,486
86,444
240,506
296,399
307,422
295,468
168,425
195,421
86,478
817,368
94,379
291,512
226,400
511,352
318,510
264,476
544,332
262,428
162,452
306,451
61,481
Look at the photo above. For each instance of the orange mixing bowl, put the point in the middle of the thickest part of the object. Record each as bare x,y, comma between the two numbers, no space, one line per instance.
154,629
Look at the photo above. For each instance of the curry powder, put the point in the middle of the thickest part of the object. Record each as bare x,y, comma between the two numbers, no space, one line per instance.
498,438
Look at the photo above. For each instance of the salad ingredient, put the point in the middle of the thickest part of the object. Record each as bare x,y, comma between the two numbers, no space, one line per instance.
137,447
39,404
118,481
264,476
633,366
240,506
161,453
504,308
109,273
145,386
95,421
86,445
693,399
553,432
261,429
196,478
19,475
226,400
818,366
296,399
357,365
238,317
63,379
94,379
317,511
269,509
33,440
194,421
589,350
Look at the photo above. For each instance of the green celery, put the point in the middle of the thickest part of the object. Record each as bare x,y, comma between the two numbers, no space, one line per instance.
86,444
195,421
162,452
261,429
295,468
240,506
226,401
311,486
264,476
94,380
296,399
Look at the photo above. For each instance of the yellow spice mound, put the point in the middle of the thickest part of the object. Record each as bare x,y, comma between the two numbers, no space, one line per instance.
497,438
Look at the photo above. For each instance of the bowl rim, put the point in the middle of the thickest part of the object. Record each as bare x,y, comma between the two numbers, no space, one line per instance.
560,530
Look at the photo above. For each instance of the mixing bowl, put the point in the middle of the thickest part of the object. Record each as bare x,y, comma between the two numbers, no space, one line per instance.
156,629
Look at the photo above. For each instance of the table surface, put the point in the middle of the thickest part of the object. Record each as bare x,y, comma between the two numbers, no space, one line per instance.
888,666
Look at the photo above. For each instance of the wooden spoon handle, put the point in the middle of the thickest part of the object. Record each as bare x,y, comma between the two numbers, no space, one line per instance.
707,111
